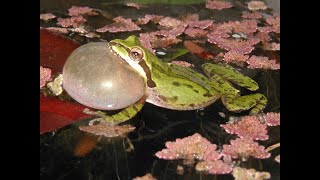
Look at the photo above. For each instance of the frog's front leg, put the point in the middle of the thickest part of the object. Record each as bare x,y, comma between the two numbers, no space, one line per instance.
121,116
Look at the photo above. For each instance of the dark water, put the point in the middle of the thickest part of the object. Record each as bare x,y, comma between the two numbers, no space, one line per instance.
110,158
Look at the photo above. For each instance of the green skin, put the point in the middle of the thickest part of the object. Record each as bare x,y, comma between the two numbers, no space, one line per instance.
181,88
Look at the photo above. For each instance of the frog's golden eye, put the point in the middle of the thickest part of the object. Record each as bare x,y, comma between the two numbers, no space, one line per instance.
136,54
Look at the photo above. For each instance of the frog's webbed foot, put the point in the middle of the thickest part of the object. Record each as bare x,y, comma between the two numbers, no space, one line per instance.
255,102
119,117
229,73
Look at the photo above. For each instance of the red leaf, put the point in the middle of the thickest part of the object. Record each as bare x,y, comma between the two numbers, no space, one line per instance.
55,113
54,50
197,50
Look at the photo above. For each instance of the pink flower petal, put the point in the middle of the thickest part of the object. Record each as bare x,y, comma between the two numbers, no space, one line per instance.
244,148
257,5
248,127
77,11
45,76
195,32
175,31
47,16
262,62
234,56
149,17
170,22
238,45
120,25
71,22
191,147
219,5
214,167
272,119
253,15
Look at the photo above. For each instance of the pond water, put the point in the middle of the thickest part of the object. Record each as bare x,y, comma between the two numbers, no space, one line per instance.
68,153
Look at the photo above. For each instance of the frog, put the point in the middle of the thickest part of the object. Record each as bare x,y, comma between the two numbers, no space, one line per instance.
181,88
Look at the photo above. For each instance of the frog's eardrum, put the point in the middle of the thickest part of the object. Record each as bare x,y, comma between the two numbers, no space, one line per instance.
95,77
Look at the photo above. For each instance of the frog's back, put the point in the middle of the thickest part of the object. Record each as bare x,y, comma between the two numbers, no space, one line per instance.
180,88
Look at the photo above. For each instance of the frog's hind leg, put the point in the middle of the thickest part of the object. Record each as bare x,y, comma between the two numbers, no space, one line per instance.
229,73
256,102
219,74
121,116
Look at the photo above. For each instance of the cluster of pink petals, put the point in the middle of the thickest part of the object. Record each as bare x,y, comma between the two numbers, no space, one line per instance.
72,21
149,17
107,130
193,147
214,167
264,37
245,26
58,30
150,41
271,46
248,127
182,63
277,158
272,119
134,5
274,22
238,45
45,76
195,32
47,16
170,22
145,177
199,24
236,57
261,62
219,5
249,174
78,10
120,25
244,148
252,15
257,5
176,31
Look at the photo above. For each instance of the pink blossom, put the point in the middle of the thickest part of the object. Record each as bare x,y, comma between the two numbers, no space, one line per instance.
107,130
219,5
149,17
169,22
199,24
134,5
266,29
238,45
249,174
175,31
47,16
234,56
271,46
73,21
248,127
77,11
272,119
120,25
262,62
58,30
190,148
252,15
214,167
145,177
150,40
264,37
245,26
195,32
45,76
257,5
244,148
274,22
182,63
277,158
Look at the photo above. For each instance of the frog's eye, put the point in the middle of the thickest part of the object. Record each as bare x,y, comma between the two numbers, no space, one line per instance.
136,54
